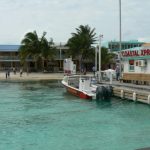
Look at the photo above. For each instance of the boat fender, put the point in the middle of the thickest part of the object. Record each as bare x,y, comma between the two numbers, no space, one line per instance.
122,94
134,96
148,99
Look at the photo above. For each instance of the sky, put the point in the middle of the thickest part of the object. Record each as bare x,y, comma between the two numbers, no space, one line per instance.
60,18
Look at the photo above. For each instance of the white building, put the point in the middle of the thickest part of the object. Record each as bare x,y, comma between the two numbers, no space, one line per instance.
136,60
136,65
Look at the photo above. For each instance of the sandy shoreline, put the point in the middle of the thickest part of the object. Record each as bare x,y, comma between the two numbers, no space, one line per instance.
31,76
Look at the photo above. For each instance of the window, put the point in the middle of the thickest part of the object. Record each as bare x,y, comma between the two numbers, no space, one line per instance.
131,62
131,65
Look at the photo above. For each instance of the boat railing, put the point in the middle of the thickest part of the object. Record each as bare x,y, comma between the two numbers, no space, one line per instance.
75,80
105,77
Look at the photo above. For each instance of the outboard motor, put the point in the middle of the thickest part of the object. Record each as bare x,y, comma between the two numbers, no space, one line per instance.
108,92
100,92
103,92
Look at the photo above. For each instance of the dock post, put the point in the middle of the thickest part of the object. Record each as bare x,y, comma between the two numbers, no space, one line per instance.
148,99
122,94
110,77
134,96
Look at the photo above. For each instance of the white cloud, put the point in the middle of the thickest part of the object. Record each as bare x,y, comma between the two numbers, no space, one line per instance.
60,18
145,39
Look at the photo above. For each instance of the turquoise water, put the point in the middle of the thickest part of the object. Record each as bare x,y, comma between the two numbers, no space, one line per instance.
41,115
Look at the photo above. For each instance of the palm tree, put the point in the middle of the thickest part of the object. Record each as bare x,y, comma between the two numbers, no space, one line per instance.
106,57
80,43
48,50
35,48
30,47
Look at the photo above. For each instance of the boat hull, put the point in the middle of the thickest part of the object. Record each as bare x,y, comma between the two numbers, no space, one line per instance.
79,86
78,93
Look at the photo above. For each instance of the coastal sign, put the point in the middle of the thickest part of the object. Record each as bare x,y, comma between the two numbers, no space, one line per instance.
135,53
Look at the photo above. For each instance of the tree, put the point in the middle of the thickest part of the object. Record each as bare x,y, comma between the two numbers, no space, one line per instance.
30,47
106,57
35,48
47,51
80,44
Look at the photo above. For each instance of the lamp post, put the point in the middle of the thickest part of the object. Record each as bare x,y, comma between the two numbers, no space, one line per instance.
96,58
120,36
60,56
100,38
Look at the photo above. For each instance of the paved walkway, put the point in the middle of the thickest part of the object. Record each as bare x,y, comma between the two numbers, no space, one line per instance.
32,76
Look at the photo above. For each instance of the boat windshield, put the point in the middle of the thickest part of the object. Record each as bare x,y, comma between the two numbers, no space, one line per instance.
65,79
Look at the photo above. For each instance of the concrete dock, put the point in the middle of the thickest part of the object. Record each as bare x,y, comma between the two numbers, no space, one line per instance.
130,91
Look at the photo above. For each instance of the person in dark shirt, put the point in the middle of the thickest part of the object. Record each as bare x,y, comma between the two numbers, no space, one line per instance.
117,73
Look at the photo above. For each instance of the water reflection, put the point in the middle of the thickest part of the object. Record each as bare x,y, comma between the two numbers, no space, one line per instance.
103,103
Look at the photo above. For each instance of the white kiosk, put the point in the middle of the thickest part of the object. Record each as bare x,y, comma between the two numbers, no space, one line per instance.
136,60
69,67
136,65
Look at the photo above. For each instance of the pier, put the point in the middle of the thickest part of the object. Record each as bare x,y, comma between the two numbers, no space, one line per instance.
140,93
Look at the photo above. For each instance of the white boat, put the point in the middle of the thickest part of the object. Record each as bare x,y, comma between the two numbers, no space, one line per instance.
81,86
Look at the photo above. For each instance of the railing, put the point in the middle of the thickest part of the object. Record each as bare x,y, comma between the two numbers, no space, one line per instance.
138,78
13,58
31,69
9,58
106,76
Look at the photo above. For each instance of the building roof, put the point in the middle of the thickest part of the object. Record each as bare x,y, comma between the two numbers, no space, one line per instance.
15,48
138,48
128,42
9,48
146,45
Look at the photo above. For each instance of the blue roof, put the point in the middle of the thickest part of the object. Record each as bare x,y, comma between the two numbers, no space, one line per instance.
9,48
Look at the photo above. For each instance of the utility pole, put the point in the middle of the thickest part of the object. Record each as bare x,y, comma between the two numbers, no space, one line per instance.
100,38
120,36
96,58
60,56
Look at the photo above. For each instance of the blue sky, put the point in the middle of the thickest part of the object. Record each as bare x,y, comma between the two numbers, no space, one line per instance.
59,18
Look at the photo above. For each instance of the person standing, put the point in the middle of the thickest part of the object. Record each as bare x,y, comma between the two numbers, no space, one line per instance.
117,73
84,72
6,74
94,70
21,71
14,70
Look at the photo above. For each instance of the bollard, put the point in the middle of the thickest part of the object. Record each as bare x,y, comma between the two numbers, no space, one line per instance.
122,94
134,96
148,99
110,77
